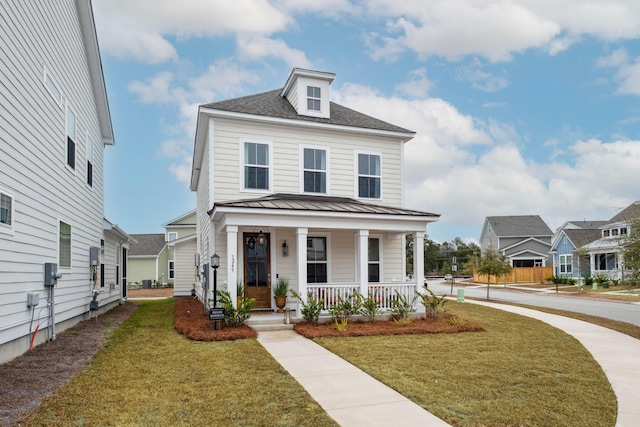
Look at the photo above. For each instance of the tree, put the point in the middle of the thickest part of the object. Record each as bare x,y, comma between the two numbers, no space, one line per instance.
580,254
631,249
494,264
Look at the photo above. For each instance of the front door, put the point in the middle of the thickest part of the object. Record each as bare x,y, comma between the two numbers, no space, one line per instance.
257,273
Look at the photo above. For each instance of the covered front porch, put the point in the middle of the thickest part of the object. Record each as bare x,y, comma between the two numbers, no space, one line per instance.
326,248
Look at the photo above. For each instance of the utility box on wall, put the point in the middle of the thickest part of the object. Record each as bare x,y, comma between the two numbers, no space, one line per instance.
50,274
94,256
33,299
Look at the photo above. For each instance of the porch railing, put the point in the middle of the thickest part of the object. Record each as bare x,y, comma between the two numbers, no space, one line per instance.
382,293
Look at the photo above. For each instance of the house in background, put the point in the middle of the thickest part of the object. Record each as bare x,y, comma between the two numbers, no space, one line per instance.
567,240
525,240
55,121
166,258
605,253
291,185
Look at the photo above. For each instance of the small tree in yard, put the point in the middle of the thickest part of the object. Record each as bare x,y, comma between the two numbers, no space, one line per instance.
631,249
494,264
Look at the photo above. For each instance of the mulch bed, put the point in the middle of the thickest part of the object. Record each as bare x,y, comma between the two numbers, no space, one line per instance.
191,321
441,325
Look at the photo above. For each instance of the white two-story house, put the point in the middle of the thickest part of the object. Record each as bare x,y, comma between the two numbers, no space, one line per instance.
291,185
54,126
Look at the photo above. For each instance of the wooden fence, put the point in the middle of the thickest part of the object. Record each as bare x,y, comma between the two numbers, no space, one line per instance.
519,275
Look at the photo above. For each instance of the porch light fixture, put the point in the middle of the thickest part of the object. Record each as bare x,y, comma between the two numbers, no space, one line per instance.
261,238
215,261
285,249
251,243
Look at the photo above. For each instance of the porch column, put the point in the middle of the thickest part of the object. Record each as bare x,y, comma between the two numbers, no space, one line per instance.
363,262
232,262
418,259
301,250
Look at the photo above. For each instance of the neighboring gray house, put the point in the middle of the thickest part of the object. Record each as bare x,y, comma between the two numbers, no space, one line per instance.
525,239
570,236
605,253
54,126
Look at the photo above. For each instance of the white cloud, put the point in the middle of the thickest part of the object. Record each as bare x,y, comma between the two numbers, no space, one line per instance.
481,80
628,73
618,58
417,86
256,48
156,91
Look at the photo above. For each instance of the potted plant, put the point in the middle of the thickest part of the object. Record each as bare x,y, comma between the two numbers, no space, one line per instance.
280,293
239,293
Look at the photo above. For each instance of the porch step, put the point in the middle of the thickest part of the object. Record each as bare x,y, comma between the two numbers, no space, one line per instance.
269,322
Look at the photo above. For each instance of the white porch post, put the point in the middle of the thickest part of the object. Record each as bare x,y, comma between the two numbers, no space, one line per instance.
232,262
363,261
301,250
418,259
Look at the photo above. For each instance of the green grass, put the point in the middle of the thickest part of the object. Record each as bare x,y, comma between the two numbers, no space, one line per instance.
520,371
149,375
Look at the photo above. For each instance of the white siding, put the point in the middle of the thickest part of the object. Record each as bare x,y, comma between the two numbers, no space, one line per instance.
286,159
35,36
184,268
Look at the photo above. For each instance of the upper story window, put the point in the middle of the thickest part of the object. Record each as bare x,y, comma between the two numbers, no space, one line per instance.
313,98
64,245
89,162
6,212
623,231
606,233
172,235
314,170
71,138
256,165
369,176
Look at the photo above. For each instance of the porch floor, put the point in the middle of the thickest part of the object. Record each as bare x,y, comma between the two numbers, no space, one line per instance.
349,396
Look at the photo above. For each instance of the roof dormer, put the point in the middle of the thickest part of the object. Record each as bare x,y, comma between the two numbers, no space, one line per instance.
308,92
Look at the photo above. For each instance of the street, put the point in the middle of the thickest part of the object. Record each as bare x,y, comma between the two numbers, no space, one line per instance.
615,310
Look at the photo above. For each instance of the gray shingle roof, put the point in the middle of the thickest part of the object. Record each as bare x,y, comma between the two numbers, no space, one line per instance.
319,204
148,244
628,213
588,225
271,104
582,237
519,226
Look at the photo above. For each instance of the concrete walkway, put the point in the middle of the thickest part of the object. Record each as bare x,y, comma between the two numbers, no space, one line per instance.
618,355
349,396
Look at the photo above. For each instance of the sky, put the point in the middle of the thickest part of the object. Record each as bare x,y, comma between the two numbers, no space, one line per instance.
520,107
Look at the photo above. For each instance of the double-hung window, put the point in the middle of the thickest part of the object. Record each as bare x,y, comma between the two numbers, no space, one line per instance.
313,98
171,270
374,259
317,260
64,245
6,212
368,176
89,162
172,235
71,138
314,170
256,165
566,264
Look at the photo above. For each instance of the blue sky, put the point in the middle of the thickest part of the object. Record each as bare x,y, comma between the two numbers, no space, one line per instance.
521,107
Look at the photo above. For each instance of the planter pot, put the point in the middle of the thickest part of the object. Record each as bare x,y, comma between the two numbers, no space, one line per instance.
281,301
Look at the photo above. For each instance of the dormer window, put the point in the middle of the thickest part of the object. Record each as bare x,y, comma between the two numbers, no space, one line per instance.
313,98
606,233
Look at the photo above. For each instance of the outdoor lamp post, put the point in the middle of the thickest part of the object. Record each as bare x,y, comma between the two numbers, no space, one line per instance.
215,263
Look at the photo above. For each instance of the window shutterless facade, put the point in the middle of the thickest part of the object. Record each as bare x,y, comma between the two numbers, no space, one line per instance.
314,170
64,245
171,270
368,175
256,166
317,260
374,259
89,162
71,138
566,264
313,98
6,212
52,87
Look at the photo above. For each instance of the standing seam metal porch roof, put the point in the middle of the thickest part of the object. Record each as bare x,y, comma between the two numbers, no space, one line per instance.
271,104
297,202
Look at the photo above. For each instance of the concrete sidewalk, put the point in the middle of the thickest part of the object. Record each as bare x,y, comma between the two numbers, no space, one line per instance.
349,396
618,355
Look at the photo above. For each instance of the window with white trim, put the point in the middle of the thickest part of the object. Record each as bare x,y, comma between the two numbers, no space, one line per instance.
314,170
369,176
171,236
313,98
171,270
89,161
317,268
64,245
6,212
256,166
102,259
71,138
566,264
374,259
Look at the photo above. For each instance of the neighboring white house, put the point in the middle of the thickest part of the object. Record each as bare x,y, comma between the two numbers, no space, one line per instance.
54,126
605,254
291,185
